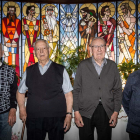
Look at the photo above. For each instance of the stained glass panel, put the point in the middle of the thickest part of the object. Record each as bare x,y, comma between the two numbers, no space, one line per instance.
107,27
11,29
50,26
138,31
126,31
87,24
30,32
69,25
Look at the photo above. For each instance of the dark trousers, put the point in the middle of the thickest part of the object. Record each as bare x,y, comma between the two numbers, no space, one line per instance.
37,128
133,136
99,120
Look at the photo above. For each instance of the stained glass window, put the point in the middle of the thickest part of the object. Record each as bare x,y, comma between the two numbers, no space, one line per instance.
69,25
11,29
30,32
126,31
107,27
87,24
0,21
50,26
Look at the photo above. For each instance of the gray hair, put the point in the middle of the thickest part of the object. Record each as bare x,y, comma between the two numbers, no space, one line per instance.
96,39
46,42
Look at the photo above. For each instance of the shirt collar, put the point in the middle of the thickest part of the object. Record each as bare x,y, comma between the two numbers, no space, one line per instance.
104,62
46,64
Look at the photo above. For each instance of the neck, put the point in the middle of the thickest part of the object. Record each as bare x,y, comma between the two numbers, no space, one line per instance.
99,62
43,62
106,17
30,17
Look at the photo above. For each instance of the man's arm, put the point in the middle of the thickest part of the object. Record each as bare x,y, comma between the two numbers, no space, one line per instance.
67,88
21,103
21,97
13,102
117,91
69,102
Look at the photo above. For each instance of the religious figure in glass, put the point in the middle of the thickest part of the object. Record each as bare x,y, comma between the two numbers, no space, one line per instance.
31,29
11,28
106,27
126,32
87,26
50,27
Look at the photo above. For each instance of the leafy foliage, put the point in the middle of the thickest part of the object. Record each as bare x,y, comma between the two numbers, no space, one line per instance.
127,68
70,58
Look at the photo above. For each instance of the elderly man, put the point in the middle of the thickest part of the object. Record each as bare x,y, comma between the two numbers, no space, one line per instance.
8,104
97,94
49,104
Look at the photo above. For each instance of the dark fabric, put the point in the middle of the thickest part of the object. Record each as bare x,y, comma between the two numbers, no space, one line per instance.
89,88
45,93
131,102
8,88
133,136
100,121
38,127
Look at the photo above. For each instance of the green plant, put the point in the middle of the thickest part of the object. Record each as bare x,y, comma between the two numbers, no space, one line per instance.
126,69
70,58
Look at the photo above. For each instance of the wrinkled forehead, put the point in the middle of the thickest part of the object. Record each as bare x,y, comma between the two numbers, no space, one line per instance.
98,42
41,44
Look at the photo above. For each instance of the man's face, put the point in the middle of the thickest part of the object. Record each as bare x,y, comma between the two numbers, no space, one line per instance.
107,11
41,51
98,49
124,10
32,11
11,11
50,12
84,14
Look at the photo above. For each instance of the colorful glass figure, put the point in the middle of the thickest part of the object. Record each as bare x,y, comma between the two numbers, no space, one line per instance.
87,25
11,28
31,29
126,31
50,27
106,27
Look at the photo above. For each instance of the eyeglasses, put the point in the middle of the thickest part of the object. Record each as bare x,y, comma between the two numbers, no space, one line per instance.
96,46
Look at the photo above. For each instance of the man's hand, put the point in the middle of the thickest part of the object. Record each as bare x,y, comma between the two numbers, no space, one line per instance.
67,122
26,27
78,119
113,120
23,114
12,116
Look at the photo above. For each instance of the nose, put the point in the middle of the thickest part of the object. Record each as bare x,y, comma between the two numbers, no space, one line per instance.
41,50
99,48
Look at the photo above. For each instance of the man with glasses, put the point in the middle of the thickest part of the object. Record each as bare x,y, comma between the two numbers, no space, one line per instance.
97,94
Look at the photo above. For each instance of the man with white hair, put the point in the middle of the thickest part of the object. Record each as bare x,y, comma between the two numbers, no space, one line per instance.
50,29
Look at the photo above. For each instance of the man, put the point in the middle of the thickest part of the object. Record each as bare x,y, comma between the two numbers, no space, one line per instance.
126,34
97,94
31,29
131,104
106,28
8,104
50,29
87,27
49,94
11,28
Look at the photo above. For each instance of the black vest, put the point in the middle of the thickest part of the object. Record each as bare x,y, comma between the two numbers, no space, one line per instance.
45,94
